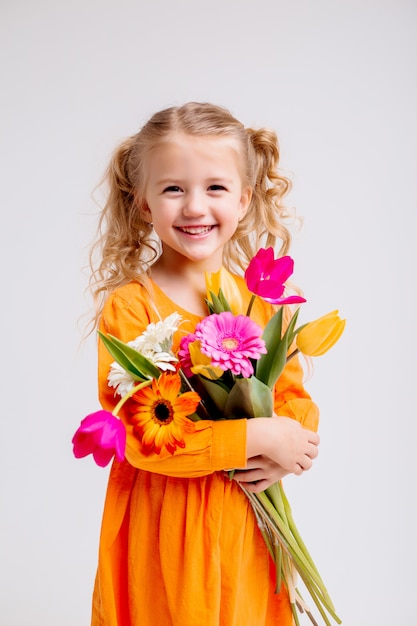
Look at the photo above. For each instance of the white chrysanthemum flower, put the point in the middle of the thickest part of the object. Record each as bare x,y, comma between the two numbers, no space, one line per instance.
154,344
158,336
163,360
121,380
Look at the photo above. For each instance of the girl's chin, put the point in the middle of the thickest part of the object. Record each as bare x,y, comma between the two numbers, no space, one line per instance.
174,258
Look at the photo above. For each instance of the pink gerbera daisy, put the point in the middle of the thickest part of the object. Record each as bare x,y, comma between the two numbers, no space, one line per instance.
231,341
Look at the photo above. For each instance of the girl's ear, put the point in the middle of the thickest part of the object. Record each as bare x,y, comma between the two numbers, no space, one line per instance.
144,210
245,199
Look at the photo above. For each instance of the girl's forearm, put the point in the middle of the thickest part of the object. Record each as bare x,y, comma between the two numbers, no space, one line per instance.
257,436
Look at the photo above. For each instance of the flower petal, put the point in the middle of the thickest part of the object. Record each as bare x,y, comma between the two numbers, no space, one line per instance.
282,269
158,411
286,300
317,337
266,276
224,281
101,434
103,456
231,341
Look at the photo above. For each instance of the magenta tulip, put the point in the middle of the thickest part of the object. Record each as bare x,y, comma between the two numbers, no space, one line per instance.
266,276
101,434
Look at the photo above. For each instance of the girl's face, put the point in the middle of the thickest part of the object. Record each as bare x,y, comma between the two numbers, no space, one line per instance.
194,197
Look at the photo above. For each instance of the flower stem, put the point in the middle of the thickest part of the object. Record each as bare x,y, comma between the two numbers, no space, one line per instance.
294,554
299,539
303,608
278,564
129,394
290,356
250,305
274,494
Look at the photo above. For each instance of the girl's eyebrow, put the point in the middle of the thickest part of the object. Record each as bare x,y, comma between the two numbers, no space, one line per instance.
164,181
216,179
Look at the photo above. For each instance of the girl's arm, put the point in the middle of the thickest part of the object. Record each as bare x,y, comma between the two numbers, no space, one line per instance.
214,446
276,447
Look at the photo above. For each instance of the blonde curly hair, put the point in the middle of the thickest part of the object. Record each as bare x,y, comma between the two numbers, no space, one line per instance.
126,245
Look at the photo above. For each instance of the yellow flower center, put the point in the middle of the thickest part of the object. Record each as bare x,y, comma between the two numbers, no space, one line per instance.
230,343
162,412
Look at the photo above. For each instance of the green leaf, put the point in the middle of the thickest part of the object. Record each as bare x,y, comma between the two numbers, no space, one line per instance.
249,397
213,390
297,330
224,302
132,361
291,332
274,357
218,303
270,365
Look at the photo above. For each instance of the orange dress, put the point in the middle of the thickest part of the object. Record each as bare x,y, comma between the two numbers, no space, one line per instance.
179,543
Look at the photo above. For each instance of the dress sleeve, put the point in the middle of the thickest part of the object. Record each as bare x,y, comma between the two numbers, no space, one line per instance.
291,398
213,446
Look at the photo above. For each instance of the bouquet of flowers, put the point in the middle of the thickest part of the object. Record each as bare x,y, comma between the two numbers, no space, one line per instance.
226,369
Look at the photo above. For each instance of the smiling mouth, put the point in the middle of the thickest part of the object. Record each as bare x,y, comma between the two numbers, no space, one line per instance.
195,230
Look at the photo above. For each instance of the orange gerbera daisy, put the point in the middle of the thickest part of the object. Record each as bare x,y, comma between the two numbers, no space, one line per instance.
159,414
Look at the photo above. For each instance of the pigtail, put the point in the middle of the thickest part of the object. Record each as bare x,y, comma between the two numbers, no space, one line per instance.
121,188
264,224
124,246
121,208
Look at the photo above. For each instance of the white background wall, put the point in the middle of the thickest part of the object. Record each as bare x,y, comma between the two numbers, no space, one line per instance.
337,80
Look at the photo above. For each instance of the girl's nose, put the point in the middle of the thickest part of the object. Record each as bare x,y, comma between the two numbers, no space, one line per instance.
194,205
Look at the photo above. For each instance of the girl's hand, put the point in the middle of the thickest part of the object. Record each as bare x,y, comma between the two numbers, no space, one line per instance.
283,440
260,473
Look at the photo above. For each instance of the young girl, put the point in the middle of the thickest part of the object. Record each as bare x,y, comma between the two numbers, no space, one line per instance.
192,191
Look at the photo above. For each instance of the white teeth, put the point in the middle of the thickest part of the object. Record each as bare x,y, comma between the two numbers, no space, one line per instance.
196,230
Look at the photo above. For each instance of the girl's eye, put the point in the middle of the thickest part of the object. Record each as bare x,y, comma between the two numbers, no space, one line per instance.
172,188
217,188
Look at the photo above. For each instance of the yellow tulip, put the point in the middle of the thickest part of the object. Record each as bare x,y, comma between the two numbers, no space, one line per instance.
317,337
224,280
202,363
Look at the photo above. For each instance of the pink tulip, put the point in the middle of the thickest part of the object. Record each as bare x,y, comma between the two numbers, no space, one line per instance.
101,434
266,276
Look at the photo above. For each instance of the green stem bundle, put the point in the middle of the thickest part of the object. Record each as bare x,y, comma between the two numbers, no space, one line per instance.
289,553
